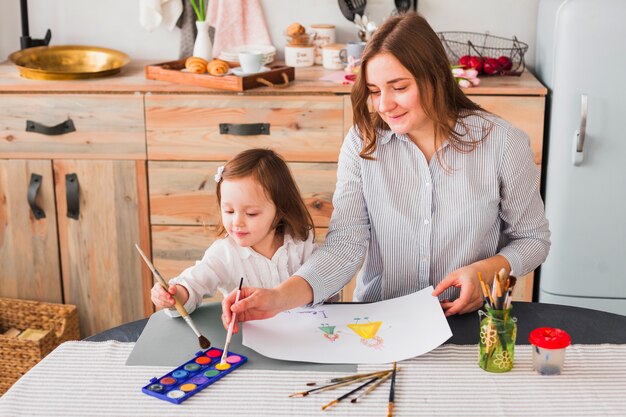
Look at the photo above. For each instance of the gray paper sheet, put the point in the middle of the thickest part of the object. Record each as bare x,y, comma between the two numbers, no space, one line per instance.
167,341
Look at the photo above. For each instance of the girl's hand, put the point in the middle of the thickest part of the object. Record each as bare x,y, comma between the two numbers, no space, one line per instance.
471,297
165,299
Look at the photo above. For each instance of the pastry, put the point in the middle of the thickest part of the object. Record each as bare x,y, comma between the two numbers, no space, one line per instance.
217,67
195,64
295,29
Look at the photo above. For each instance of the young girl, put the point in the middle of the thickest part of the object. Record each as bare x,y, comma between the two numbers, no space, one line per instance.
269,232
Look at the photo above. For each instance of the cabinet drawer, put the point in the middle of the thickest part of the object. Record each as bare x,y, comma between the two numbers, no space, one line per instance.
183,193
301,128
106,126
175,248
526,113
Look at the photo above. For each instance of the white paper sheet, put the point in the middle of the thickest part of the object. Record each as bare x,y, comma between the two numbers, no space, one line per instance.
381,332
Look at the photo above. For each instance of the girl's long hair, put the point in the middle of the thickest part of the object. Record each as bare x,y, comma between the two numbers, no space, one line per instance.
410,39
268,169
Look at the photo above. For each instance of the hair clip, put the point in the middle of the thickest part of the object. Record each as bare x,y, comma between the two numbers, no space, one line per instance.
218,175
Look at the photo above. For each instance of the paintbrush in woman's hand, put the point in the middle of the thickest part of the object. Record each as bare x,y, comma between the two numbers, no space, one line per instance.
204,342
231,326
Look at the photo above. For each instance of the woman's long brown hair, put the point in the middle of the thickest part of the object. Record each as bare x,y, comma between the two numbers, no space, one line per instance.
410,39
268,169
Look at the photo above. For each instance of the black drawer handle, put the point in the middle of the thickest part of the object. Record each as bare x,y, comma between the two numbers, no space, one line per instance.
245,129
71,195
33,190
60,129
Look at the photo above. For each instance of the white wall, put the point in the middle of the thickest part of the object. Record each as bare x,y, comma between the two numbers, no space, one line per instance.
115,23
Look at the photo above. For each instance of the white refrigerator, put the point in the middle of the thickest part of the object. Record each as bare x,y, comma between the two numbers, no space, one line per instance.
581,58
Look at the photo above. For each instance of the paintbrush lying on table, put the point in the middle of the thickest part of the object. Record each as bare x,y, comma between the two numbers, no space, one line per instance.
204,342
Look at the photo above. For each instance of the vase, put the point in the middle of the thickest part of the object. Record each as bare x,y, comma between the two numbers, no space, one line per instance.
496,346
202,47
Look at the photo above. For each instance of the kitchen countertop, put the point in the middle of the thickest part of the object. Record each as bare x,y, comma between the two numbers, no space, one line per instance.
132,79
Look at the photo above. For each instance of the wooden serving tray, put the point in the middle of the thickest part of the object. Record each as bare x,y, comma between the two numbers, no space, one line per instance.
278,75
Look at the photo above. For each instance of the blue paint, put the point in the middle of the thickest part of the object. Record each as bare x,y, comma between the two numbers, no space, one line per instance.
191,373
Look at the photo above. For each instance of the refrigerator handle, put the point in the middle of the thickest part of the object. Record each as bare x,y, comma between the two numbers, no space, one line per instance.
579,135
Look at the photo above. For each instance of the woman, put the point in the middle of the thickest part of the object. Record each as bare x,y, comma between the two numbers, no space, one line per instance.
430,189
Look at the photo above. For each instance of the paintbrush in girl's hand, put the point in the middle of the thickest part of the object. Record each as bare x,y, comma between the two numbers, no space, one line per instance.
231,326
204,342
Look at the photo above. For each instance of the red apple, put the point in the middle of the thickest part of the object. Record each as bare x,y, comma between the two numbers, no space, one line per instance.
476,62
464,61
491,66
505,63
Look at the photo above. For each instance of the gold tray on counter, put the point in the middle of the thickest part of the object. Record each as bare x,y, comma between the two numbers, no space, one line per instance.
68,62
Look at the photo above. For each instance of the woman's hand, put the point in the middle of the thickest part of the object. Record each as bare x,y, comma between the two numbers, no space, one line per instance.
260,303
253,304
466,278
165,299
471,297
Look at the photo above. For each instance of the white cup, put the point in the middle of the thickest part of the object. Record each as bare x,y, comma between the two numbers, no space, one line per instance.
299,55
251,61
331,58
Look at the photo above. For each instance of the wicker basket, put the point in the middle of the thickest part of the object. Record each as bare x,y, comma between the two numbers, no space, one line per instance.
458,44
17,356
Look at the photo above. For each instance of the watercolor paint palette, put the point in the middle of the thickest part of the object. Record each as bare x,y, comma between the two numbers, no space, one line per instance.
193,376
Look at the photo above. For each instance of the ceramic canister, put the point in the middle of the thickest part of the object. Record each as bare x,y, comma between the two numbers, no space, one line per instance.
299,55
324,35
331,58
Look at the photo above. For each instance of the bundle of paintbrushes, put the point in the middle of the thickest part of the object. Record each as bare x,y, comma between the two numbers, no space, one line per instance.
499,297
368,383
498,329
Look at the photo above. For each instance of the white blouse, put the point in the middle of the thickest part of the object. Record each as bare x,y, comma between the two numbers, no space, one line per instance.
224,263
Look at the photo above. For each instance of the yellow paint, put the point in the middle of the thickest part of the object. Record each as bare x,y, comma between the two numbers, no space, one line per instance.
222,366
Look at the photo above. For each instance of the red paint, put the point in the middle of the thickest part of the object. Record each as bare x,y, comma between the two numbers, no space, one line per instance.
214,353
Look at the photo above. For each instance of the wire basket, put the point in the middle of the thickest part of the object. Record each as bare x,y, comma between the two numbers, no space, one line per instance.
485,46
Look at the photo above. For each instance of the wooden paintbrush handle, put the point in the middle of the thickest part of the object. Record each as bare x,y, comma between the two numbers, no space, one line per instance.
179,307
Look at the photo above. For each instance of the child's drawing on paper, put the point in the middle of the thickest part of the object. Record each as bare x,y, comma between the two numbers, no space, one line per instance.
329,332
352,333
314,312
367,331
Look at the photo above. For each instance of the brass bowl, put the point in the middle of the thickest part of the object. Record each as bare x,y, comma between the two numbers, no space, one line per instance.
68,62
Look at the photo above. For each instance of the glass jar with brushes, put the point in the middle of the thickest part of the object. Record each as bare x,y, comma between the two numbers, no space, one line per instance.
496,346
498,330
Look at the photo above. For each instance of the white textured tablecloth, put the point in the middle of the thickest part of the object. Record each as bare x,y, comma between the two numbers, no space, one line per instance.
90,379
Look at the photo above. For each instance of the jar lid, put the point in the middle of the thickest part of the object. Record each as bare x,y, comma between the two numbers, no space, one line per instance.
334,46
299,46
550,338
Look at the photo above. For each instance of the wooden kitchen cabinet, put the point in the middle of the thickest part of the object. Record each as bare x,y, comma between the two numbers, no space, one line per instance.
300,127
102,274
167,203
29,249
82,256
